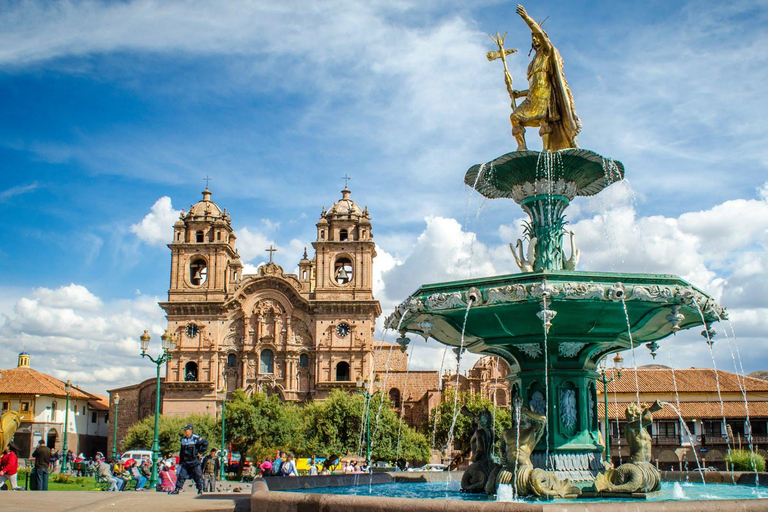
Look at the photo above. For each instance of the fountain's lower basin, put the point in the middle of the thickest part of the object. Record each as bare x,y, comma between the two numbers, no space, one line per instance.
427,492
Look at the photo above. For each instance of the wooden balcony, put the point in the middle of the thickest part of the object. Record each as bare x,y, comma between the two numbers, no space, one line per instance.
666,440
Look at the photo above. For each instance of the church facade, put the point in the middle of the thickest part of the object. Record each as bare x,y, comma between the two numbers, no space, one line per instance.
298,335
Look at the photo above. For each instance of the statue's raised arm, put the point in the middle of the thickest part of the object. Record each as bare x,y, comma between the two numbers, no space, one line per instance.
535,27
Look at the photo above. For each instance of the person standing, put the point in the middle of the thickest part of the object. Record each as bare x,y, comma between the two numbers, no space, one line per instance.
192,448
289,466
42,456
9,465
313,467
211,467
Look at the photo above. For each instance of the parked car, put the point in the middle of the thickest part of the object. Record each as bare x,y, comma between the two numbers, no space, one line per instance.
136,455
431,467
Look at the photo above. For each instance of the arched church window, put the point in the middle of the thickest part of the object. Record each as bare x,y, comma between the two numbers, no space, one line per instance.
342,271
343,235
190,372
322,234
342,372
232,360
267,364
199,237
394,397
198,272
218,235
303,361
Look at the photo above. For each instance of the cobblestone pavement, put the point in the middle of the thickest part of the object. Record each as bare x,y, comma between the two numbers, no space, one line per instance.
59,501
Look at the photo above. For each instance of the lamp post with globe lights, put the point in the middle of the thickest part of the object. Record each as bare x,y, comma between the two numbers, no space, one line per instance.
116,401
617,362
169,345
364,388
67,390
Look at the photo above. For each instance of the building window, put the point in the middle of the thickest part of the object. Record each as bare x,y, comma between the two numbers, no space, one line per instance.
394,397
218,235
94,417
759,427
232,360
342,372
322,234
24,407
83,410
303,361
192,330
713,428
190,372
54,410
7,406
343,235
178,237
342,271
304,275
737,427
199,237
198,272
267,361
666,429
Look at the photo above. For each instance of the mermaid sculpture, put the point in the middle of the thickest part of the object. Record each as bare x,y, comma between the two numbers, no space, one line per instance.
516,466
481,444
638,475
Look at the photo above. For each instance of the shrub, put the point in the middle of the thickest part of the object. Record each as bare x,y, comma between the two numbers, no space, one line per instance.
744,460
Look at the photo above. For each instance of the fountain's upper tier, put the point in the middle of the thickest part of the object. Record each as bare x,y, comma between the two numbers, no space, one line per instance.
523,174
589,309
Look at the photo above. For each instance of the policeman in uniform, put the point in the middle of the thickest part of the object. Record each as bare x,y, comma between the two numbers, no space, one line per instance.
192,449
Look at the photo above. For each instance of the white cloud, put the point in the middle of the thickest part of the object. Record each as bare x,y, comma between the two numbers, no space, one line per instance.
156,228
90,341
72,296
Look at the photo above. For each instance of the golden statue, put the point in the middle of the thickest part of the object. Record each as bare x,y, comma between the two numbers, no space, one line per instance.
9,423
516,466
548,101
638,475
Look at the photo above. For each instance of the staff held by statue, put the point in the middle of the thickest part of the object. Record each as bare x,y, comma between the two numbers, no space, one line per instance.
502,54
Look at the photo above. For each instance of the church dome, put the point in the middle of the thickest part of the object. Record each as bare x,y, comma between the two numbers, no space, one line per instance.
344,207
205,209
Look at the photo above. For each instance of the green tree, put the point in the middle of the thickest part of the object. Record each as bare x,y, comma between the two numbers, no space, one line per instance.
141,434
260,424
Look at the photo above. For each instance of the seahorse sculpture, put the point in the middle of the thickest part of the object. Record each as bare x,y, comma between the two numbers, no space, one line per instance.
638,475
570,263
481,444
525,263
517,468
9,423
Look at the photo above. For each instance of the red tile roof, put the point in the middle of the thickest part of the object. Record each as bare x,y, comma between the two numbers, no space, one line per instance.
693,410
691,380
26,381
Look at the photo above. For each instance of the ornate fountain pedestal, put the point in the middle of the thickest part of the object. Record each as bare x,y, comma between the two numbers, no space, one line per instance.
551,323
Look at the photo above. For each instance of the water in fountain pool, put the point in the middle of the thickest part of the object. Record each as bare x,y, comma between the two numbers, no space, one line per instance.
439,490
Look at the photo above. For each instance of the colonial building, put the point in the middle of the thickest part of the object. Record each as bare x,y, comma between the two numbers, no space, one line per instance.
41,399
297,335
487,378
714,407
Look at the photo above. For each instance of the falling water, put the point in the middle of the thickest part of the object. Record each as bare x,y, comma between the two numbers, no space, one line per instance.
690,439
506,493
384,384
403,398
518,410
546,382
717,377
495,405
677,409
470,301
437,409
366,408
618,431
632,346
740,379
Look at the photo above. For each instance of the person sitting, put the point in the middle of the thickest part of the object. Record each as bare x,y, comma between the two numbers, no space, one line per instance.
103,471
167,477
137,475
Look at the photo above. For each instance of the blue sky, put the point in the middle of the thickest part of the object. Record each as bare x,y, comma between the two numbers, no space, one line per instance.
114,112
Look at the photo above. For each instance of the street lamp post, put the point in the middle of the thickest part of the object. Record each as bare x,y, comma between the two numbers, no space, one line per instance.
169,345
617,361
222,453
364,389
67,390
114,431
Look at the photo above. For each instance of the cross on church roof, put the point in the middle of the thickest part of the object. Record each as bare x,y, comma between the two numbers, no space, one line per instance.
346,180
207,180
271,252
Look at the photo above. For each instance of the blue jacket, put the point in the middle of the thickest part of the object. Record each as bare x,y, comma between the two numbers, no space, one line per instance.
191,447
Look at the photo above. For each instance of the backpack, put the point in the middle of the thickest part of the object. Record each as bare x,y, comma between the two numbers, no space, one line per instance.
276,467
287,469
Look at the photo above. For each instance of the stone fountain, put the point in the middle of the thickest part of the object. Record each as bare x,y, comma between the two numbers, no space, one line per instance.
551,322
